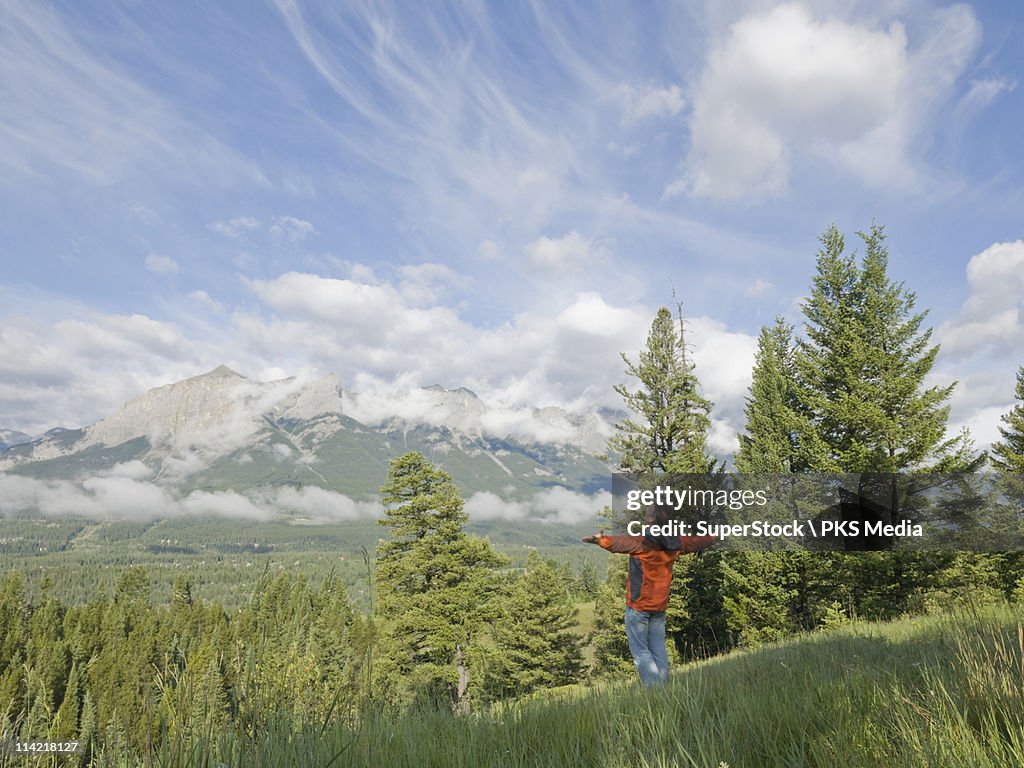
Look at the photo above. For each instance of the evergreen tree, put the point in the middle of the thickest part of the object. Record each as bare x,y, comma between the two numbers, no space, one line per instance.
587,583
672,439
757,596
47,649
123,667
87,728
608,641
773,419
37,721
65,722
330,646
675,418
696,620
208,708
763,599
862,368
535,645
1008,453
434,582
863,404
181,593
14,612
133,586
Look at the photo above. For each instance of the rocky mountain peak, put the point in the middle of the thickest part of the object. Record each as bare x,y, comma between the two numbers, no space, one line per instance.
220,372
458,392
179,411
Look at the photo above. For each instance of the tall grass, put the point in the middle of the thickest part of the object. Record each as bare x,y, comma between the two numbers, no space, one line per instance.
935,691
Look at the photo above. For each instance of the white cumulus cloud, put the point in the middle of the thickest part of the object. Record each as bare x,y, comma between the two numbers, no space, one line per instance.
992,317
384,340
980,345
784,81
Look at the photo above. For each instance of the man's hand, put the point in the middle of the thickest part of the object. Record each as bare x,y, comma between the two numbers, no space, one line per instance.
593,539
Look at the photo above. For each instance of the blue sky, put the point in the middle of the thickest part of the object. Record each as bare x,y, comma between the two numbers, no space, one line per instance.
496,196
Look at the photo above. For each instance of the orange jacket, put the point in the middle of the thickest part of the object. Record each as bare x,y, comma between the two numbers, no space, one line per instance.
650,568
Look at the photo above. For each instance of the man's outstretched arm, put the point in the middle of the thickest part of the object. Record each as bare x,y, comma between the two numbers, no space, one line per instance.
624,544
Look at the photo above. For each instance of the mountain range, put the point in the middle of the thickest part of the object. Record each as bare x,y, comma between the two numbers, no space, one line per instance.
222,431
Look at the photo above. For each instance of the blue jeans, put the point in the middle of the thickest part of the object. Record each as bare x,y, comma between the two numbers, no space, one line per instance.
645,632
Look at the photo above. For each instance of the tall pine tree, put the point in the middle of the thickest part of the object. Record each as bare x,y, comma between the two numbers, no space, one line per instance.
434,582
862,367
864,404
672,439
671,435
770,444
757,602
1008,453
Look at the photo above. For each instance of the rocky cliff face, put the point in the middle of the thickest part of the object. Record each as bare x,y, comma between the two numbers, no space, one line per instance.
215,413
202,408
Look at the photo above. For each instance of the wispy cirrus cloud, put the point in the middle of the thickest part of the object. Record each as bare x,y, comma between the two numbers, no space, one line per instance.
644,102
235,228
280,228
161,265
70,110
291,228
446,106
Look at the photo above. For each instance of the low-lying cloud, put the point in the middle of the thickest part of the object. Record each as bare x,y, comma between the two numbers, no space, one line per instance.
126,494
554,505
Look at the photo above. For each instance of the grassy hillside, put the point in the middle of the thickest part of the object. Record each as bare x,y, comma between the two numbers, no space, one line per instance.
934,691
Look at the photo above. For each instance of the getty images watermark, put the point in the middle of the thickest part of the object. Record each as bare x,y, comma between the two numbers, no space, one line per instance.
851,512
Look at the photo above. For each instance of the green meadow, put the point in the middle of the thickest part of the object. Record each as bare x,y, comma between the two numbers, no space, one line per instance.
939,690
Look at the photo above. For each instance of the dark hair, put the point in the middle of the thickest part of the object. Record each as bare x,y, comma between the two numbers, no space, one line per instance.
662,515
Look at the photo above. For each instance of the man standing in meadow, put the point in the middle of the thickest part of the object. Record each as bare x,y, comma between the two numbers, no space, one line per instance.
648,586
